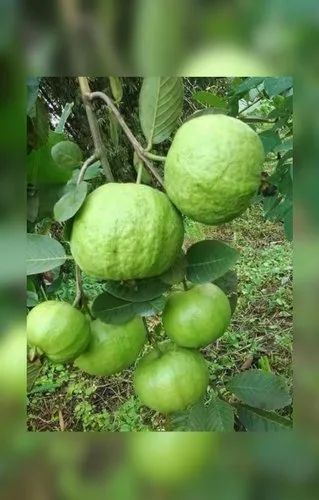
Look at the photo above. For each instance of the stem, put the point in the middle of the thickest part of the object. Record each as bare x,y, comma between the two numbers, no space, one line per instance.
250,105
43,292
84,167
256,119
78,284
94,128
136,145
154,157
185,285
139,173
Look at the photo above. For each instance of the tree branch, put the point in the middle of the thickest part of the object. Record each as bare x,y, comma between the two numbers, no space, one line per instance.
85,165
136,145
94,127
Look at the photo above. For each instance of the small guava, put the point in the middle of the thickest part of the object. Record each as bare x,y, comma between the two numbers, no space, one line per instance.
59,330
198,316
112,348
126,231
213,168
170,378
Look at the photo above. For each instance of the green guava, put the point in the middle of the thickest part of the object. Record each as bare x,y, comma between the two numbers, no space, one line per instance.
170,378
213,168
59,330
198,316
112,347
170,458
126,231
66,154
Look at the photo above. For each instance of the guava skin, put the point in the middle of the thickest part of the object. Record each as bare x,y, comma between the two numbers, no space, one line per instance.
58,329
126,231
213,168
112,347
170,457
170,378
197,317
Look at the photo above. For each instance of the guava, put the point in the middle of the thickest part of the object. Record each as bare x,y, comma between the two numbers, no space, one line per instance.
213,168
59,330
112,347
170,458
67,154
170,378
126,231
198,316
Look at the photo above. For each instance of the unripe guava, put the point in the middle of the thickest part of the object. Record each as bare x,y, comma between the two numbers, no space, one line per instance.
213,168
198,316
170,378
58,329
112,347
126,231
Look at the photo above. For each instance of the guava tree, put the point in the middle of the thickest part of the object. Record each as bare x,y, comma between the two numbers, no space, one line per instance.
128,236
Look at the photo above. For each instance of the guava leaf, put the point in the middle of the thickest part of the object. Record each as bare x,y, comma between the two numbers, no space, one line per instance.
209,99
254,419
276,85
208,260
67,110
270,140
160,106
43,253
260,389
248,84
176,273
66,154
32,93
217,416
229,284
71,202
136,290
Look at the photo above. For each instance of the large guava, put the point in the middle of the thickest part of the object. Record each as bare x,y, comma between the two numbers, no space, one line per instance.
170,378
112,347
213,168
198,316
126,231
171,458
59,330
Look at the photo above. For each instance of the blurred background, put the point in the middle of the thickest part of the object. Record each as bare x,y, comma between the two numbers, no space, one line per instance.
101,37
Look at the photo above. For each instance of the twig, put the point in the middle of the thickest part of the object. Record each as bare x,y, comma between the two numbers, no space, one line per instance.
154,157
85,165
139,173
136,145
256,119
78,284
94,128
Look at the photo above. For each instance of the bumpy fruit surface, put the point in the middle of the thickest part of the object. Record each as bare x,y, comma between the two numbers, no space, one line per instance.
58,329
197,317
170,378
126,231
213,168
112,347
170,457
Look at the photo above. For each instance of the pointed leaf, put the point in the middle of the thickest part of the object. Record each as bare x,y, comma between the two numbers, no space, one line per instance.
220,416
248,84
160,106
209,99
277,85
43,253
176,273
71,202
208,260
254,419
270,140
260,389
136,290
229,284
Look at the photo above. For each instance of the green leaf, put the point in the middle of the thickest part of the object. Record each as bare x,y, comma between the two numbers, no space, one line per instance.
176,273
67,110
284,146
209,99
33,370
43,253
276,85
208,260
220,415
66,154
71,202
248,84
257,388
254,419
270,140
229,284
93,171
160,106
113,310
136,290
32,295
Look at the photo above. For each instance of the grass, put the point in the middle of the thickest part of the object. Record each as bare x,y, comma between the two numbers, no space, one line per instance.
63,398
